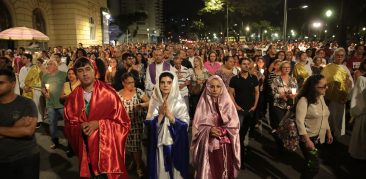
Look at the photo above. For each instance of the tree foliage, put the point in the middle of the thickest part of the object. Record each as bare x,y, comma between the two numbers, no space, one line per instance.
125,20
244,7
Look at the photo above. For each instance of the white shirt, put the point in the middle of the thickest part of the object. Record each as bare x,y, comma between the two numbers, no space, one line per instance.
63,67
149,86
184,74
191,59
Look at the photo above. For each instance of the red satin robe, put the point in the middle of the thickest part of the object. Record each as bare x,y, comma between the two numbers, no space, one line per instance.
107,145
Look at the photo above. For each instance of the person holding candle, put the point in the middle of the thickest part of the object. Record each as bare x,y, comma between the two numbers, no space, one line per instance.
96,125
52,84
111,72
284,92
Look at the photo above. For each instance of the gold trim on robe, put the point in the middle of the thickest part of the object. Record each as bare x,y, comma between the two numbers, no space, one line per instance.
300,71
33,80
336,77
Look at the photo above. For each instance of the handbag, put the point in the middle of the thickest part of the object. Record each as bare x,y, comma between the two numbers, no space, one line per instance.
287,131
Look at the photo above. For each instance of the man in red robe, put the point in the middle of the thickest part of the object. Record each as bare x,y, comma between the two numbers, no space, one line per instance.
96,125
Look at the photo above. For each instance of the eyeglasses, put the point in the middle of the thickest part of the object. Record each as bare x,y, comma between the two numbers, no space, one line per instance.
323,87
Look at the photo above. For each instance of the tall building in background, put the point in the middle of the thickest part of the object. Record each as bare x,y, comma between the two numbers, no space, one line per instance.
65,22
141,31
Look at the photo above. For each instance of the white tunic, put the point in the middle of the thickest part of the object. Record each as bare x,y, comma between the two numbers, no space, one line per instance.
357,146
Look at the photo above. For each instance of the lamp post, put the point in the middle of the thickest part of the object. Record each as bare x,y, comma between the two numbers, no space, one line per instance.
148,35
227,20
247,29
285,9
285,21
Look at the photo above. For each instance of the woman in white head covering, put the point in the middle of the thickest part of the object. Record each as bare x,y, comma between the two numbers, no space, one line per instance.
168,120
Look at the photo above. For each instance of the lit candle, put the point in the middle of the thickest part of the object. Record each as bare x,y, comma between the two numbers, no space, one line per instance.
262,71
293,90
110,68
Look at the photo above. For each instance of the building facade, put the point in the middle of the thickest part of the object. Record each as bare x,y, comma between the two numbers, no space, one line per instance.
146,30
65,22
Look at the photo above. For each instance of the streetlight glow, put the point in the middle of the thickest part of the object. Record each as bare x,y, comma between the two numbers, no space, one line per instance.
364,28
317,24
304,6
247,28
328,13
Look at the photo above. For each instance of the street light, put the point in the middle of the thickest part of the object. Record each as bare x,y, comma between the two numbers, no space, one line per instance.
148,35
329,13
247,28
317,26
364,28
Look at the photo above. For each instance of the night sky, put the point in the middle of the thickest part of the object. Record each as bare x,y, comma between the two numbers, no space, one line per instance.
299,19
182,8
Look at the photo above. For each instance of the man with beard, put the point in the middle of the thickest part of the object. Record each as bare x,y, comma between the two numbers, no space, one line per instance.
96,125
126,68
19,153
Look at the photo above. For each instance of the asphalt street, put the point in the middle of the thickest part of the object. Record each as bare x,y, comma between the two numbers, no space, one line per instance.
261,160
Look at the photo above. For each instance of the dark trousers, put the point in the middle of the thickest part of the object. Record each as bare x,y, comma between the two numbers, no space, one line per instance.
246,119
193,101
25,168
312,163
276,115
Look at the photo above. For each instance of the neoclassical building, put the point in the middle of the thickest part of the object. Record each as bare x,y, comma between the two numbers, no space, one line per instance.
65,22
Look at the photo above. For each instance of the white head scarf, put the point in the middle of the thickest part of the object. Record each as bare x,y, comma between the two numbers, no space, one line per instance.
176,105
175,101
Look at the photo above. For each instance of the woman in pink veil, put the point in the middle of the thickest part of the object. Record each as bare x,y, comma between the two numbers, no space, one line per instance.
215,134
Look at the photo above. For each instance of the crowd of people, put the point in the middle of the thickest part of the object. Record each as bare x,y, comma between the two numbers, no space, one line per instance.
114,99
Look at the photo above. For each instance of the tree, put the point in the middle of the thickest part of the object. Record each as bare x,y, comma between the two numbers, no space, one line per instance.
196,28
125,20
244,7
215,16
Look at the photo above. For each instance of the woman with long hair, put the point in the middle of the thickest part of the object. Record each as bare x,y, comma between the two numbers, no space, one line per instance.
227,70
198,80
111,72
215,134
312,121
211,64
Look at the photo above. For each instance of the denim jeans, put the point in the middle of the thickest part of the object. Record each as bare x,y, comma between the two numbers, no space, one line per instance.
54,114
245,119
